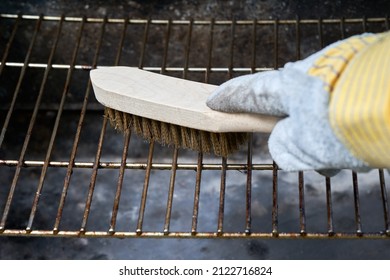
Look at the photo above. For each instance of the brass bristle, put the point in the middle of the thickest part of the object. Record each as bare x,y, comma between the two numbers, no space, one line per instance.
185,137
156,128
110,114
221,144
175,134
136,124
214,137
165,135
147,128
224,143
194,136
205,141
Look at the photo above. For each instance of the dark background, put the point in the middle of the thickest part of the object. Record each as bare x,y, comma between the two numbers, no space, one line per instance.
201,9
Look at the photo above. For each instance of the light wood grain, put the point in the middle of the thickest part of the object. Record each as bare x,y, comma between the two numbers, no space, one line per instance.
170,100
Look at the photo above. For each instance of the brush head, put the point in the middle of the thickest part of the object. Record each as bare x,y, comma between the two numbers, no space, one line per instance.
221,144
170,100
172,111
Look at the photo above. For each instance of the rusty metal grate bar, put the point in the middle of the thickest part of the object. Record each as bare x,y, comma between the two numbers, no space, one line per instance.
149,187
117,165
184,22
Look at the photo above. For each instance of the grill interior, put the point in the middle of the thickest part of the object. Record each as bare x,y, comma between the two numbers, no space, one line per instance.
64,172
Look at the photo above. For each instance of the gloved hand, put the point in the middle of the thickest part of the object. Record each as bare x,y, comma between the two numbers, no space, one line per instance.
304,139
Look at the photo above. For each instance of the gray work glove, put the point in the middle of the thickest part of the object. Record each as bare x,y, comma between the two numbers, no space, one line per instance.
303,139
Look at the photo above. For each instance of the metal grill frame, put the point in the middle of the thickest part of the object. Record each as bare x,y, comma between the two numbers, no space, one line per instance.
198,165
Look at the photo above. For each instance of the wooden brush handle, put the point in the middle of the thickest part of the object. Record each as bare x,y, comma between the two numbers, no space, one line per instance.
169,99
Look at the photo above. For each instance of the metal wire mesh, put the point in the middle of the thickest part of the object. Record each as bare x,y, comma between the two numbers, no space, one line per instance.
47,101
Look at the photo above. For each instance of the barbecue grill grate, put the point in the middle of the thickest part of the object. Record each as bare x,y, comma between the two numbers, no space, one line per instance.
65,173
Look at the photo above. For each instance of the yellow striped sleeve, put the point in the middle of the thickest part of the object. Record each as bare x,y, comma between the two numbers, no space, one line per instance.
359,108
332,63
